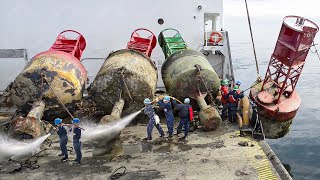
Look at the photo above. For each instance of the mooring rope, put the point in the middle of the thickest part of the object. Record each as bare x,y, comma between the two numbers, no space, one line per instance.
58,97
316,50
125,84
254,49
202,80
116,175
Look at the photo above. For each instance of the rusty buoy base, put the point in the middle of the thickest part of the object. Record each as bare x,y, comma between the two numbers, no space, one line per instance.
275,130
276,117
30,126
209,118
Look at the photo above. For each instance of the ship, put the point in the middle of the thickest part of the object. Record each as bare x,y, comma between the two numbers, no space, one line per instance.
116,35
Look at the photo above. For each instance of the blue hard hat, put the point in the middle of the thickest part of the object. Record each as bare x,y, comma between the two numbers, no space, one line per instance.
76,120
166,98
187,100
57,121
238,82
147,101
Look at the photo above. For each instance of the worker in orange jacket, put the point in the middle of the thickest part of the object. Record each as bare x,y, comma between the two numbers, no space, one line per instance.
224,91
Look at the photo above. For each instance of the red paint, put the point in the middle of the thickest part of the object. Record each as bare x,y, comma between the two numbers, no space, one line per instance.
141,44
190,113
288,58
64,56
74,47
282,111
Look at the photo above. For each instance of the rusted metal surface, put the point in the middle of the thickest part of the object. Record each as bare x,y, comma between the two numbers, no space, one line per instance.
209,116
277,100
31,124
188,74
63,71
265,97
179,74
275,130
115,114
125,74
281,112
276,118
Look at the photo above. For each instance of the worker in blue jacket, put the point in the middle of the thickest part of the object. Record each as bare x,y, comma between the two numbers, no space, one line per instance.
63,138
76,129
184,115
238,83
168,112
233,98
148,110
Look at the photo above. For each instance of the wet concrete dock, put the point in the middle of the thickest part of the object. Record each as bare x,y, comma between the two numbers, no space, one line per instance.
206,155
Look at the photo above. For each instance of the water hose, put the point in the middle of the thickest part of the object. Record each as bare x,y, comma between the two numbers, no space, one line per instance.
170,97
116,174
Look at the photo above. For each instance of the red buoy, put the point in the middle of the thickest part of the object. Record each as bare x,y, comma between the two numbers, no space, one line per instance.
61,67
275,96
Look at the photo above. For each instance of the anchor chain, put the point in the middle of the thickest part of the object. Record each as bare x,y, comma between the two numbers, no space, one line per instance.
202,80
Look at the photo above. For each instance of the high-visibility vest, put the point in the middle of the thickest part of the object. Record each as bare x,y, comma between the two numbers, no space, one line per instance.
232,99
224,92
190,113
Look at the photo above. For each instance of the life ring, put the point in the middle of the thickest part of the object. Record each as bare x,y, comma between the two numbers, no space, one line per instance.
215,40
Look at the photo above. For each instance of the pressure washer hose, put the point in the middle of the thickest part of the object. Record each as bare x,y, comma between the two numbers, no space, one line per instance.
170,97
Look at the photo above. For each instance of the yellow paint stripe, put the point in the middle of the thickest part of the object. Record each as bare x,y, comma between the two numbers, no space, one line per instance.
261,166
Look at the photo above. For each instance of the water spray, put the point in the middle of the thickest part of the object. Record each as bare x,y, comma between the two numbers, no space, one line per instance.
16,150
109,131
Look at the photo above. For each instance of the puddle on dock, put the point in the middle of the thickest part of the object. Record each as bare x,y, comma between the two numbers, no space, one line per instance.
128,150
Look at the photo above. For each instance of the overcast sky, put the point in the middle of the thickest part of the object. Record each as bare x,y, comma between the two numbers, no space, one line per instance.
307,8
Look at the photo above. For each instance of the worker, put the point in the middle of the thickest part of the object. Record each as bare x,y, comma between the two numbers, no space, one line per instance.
224,91
168,113
76,129
233,98
185,115
148,110
238,83
63,138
